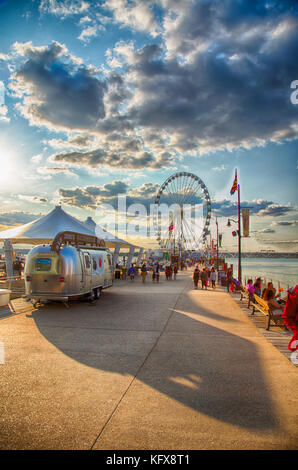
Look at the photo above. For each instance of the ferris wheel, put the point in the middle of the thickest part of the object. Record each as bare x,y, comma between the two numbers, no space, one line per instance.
182,213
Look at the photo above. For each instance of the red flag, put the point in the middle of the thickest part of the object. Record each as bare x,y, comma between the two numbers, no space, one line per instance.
235,184
171,227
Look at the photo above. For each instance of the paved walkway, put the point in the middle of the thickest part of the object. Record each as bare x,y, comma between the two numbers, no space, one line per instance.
149,367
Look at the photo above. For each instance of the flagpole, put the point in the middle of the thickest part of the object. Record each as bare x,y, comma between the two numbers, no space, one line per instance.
239,236
216,243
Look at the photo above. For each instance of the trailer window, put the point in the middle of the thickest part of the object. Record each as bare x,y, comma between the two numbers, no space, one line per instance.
110,260
94,264
43,264
87,261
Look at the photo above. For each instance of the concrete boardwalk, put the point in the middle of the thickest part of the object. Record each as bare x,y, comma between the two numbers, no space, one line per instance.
149,367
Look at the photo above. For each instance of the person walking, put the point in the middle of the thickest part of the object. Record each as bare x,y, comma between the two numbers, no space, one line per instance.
204,278
175,272
143,272
132,272
117,271
168,272
213,277
157,271
229,278
153,268
196,276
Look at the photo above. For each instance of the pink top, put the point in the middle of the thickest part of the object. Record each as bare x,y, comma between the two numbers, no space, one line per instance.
250,288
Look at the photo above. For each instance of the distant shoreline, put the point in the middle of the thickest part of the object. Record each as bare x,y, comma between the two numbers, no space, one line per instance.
259,255
222,254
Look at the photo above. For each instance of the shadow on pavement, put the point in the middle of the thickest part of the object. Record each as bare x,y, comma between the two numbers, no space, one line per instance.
204,367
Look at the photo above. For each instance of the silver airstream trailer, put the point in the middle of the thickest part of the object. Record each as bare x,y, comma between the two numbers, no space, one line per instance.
74,266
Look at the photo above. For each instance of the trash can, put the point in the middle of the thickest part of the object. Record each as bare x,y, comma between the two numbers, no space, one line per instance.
117,274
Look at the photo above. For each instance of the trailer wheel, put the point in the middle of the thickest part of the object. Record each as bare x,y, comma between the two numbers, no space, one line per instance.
93,295
98,293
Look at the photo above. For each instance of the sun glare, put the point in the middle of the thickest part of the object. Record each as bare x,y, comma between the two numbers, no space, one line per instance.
8,171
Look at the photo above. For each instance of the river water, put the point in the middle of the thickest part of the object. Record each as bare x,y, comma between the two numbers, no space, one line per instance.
284,270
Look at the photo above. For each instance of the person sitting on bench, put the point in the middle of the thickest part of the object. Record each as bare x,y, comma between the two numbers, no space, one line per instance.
275,307
267,289
257,286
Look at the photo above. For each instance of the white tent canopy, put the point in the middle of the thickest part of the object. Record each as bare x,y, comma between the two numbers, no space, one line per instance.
107,236
45,228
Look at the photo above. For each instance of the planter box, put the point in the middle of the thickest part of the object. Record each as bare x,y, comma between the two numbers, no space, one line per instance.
4,297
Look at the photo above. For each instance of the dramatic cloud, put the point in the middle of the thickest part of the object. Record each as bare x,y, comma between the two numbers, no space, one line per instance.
213,102
85,19
16,218
147,190
79,141
64,8
90,32
117,159
136,15
216,77
57,90
49,172
221,77
3,114
266,230
220,168
285,223
275,210
194,26
229,208
92,196
145,194
35,199
37,158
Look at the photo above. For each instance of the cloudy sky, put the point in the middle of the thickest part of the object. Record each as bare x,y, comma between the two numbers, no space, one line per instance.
100,98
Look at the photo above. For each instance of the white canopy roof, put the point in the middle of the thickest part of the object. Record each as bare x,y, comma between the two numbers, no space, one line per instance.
107,236
45,228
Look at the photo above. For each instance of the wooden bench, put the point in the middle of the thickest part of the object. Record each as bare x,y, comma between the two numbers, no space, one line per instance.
261,305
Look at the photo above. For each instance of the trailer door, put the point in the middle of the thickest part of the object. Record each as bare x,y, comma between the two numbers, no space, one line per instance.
87,271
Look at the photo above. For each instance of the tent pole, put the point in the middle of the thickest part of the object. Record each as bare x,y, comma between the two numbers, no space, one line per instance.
116,254
130,256
140,256
8,250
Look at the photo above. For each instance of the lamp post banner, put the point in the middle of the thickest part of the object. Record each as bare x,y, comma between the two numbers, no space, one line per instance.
245,222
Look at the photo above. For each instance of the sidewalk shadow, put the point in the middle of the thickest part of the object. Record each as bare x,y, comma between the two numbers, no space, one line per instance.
204,367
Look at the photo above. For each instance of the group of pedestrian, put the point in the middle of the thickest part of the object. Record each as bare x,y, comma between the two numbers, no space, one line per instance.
155,272
132,272
270,295
185,264
170,271
207,277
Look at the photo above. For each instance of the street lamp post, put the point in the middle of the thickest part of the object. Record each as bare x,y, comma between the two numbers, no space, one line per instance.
239,237
238,233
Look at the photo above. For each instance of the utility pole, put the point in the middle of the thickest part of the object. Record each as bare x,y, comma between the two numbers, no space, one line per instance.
216,243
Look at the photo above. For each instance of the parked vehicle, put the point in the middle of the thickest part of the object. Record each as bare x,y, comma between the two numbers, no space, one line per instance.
74,266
